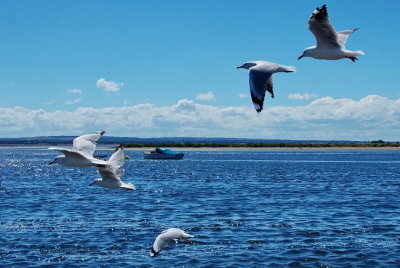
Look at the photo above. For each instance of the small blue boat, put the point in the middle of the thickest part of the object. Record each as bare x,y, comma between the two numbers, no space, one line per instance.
159,153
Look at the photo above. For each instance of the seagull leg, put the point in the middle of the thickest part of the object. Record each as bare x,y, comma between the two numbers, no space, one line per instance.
353,59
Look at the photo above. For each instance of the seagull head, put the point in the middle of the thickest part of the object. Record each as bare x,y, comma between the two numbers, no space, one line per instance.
247,65
308,52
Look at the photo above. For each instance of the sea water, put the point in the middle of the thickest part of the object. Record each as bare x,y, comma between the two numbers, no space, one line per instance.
244,209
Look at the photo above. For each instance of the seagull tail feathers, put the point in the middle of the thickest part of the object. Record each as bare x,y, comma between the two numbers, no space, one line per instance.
359,53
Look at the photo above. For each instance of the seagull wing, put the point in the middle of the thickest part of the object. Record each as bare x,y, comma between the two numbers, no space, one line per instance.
165,237
343,35
86,144
108,173
324,32
259,81
68,152
117,158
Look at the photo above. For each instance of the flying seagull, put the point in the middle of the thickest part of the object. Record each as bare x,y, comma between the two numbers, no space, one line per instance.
260,79
330,44
81,154
166,236
111,174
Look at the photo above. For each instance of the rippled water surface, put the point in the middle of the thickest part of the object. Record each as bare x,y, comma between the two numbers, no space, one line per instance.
245,209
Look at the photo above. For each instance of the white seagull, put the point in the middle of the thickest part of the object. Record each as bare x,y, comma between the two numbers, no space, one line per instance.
111,174
330,44
166,236
81,154
260,79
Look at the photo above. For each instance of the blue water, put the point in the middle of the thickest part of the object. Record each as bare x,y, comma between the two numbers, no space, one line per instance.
245,209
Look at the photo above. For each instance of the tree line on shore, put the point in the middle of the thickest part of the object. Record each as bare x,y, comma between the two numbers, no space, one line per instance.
378,143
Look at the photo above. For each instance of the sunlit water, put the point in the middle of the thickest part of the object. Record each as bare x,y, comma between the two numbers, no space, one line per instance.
249,209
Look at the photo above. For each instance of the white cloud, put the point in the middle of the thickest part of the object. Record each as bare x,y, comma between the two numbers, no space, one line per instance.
241,95
302,96
74,90
370,118
109,86
77,100
206,96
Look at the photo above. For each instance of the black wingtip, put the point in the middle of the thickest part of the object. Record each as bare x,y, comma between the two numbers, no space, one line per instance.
259,103
320,13
153,252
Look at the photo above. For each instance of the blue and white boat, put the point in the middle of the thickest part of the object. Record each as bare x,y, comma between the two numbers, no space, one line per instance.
159,153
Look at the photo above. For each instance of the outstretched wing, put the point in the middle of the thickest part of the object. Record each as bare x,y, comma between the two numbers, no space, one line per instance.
108,173
86,144
343,35
259,82
67,152
324,32
117,158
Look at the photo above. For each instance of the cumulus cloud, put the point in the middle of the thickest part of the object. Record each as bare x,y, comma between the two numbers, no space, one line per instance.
70,102
74,90
302,96
109,86
370,118
206,96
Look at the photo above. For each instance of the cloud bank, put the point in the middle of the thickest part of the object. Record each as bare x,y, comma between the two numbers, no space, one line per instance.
370,118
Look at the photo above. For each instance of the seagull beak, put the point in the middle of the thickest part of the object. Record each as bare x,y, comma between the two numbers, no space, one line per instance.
300,57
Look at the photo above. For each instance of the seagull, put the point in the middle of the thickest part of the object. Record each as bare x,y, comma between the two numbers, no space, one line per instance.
330,44
167,236
110,175
260,79
81,154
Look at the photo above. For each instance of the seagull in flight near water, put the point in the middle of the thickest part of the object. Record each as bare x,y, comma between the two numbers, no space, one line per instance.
167,236
260,79
112,173
330,43
81,154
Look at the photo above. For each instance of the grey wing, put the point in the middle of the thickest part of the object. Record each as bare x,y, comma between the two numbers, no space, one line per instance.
117,158
68,152
270,87
161,241
343,35
259,81
108,173
86,144
324,32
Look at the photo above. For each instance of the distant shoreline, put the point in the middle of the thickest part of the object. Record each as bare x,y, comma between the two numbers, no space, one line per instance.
267,149
226,148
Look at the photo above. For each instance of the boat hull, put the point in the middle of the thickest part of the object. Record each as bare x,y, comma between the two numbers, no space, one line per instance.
158,156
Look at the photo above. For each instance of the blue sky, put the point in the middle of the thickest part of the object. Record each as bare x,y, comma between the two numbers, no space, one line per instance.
168,68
